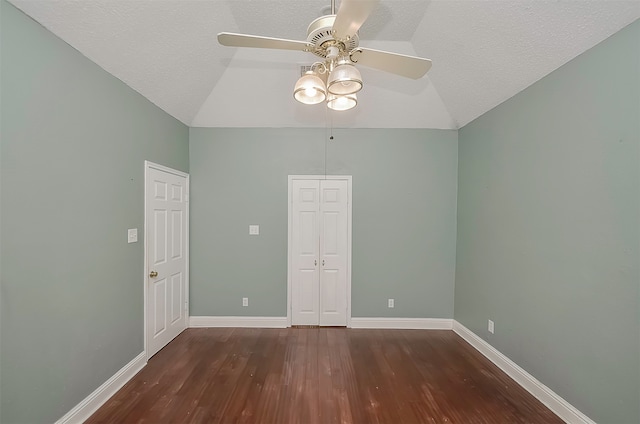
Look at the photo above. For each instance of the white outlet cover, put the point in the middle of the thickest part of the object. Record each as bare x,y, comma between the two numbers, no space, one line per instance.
391,303
245,301
491,327
132,235
254,230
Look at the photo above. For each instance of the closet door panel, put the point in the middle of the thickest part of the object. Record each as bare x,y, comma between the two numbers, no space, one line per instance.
333,252
305,252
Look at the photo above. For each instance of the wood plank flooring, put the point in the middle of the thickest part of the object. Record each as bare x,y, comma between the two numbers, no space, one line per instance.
321,375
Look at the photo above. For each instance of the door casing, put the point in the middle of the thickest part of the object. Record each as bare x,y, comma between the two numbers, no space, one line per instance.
147,166
291,178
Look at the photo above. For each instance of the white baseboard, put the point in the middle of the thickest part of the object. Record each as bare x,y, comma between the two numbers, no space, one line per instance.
95,400
281,322
403,323
553,401
247,322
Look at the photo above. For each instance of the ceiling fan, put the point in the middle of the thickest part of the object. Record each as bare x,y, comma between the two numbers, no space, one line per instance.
334,38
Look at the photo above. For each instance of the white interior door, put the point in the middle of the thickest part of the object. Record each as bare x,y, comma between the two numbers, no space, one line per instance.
305,249
333,252
319,252
166,229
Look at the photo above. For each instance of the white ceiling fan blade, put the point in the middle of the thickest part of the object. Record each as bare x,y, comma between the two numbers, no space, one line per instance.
351,16
244,40
396,63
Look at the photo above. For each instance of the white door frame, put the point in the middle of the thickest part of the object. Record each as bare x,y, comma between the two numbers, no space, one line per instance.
147,166
349,180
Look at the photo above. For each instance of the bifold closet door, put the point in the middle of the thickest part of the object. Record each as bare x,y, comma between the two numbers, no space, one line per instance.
305,287
319,251
333,252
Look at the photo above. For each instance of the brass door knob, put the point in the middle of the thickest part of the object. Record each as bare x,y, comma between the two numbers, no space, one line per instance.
153,274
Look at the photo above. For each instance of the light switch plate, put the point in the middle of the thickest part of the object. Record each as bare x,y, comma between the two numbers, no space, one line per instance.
132,235
254,230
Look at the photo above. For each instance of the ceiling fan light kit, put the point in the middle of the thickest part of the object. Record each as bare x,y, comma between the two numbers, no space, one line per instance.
335,39
343,82
344,79
310,89
340,103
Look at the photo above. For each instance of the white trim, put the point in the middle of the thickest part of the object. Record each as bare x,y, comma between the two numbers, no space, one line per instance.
403,323
95,400
553,401
246,322
349,180
147,166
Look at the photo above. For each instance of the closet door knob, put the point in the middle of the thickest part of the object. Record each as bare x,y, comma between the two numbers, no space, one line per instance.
153,274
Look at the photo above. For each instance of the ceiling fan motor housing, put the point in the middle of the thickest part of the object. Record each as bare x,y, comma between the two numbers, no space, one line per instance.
320,34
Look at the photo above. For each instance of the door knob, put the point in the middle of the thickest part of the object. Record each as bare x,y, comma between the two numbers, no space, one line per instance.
153,274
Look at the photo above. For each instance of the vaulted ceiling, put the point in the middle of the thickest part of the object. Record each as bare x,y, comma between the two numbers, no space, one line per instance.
483,53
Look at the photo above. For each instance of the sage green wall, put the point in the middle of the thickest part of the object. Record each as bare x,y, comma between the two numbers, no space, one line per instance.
74,141
1,290
549,229
404,208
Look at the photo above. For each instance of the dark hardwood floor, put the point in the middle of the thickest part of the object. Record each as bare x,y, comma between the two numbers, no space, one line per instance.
321,375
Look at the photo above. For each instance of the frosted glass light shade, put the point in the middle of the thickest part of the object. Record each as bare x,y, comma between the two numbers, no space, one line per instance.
342,102
344,79
310,89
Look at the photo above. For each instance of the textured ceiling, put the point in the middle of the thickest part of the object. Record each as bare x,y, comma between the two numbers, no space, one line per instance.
483,52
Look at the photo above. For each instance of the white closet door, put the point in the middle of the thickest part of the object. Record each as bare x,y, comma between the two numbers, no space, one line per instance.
333,253
319,252
305,250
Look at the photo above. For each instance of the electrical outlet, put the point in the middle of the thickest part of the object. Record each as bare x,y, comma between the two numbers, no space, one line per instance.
391,303
491,327
245,301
